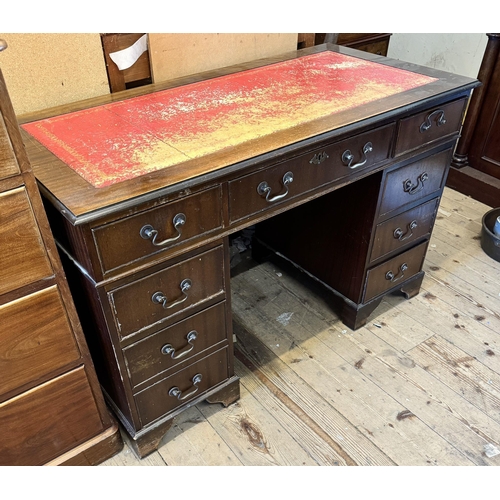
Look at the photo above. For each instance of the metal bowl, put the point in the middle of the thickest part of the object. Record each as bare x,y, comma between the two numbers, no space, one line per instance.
490,242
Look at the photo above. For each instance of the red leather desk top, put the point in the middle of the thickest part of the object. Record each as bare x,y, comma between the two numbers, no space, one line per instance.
119,141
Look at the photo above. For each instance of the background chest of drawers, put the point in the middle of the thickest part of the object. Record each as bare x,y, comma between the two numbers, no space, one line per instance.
52,410
148,260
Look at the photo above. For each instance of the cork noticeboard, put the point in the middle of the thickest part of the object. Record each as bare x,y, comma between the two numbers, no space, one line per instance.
43,70
175,55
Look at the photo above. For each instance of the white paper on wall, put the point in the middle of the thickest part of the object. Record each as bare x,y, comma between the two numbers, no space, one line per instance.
127,57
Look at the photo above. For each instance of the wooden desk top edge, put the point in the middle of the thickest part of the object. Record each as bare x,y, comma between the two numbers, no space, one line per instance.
80,202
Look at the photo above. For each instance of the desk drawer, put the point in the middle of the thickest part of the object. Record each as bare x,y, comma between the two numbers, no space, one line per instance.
45,422
145,234
38,344
404,229
149,301
394,272
411,183
276,184
167,348
429,126
23,259
182,387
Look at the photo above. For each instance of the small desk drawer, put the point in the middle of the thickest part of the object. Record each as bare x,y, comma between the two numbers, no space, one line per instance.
404,229
279,183
429,126
414,182
182,387
394,272
39,343
147,233
151,300
23,259
162,351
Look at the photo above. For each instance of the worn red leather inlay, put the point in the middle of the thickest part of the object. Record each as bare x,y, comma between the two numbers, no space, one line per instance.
123,140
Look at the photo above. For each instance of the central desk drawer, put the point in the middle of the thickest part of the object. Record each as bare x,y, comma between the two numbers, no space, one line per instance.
162,351
394,272
160,229
182,387
152,300
279,183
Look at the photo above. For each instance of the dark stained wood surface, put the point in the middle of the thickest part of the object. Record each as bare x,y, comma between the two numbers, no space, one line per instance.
472,182
156,400
426,127
423,178
206,275
398,269
309,172
151,357
404,229
122,242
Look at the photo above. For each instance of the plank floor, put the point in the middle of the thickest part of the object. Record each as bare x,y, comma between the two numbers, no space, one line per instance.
419,385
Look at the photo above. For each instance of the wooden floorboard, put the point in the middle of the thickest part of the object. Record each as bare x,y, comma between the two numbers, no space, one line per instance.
418,385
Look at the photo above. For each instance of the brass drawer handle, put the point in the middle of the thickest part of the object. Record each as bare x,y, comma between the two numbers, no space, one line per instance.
169,350
439,117
264,189
399,235
401,274
411,188
175,392
148,232
348,157
319,158
159,297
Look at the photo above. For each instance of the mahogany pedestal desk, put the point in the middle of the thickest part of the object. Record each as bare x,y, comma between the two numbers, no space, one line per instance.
339,157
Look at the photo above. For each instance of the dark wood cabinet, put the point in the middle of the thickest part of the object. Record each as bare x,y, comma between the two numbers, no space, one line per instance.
349,194
52,410
375,43
476,164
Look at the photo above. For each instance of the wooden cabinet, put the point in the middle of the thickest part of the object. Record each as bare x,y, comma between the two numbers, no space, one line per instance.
375,43
52,410
349,193
476,164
